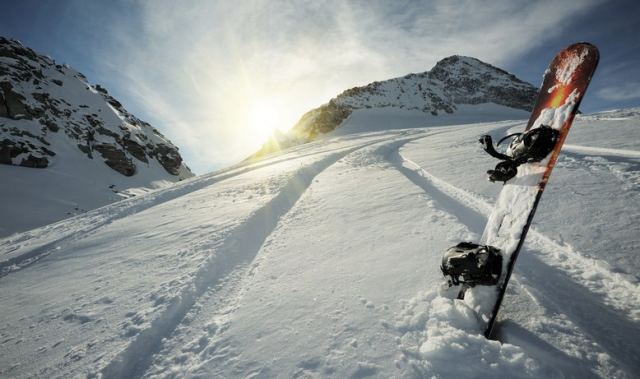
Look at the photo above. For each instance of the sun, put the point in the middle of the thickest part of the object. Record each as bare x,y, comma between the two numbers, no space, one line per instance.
263,118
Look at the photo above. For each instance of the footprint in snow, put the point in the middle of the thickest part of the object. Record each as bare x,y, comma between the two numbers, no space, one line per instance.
367,303
80,318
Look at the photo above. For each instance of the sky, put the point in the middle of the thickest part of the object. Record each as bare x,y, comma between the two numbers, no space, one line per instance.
217,77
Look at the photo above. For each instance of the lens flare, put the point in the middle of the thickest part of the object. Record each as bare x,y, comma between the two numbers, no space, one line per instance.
263,118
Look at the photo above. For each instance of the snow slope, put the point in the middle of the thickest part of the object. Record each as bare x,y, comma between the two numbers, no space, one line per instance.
322,261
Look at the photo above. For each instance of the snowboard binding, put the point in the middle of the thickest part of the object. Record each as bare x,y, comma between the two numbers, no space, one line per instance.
471,264
531,146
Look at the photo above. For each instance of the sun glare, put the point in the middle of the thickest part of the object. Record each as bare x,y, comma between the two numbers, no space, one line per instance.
264,117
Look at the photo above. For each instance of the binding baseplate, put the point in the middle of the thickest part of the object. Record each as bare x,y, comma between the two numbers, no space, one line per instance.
531,146
470,264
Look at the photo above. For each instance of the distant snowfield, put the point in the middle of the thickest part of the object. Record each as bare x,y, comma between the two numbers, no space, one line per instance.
72,185
383,119
323,261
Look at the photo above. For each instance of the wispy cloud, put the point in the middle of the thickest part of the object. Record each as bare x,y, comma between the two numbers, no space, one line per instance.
196,67
627,91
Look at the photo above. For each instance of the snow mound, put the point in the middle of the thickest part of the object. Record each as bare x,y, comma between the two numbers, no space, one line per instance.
441,337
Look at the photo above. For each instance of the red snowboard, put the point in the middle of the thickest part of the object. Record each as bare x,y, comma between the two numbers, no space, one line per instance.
563,86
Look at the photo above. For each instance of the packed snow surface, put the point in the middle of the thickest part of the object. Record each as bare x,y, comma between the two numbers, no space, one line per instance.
323,261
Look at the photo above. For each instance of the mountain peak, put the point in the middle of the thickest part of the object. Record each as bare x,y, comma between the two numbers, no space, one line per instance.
472,81
453,82
460,65
457,59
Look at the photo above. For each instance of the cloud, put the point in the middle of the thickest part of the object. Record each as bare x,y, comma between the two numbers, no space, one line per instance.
626,91
196,67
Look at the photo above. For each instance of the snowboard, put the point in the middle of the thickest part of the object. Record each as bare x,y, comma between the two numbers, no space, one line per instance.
563,87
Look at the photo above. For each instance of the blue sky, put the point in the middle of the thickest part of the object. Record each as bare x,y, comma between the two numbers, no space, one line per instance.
217,77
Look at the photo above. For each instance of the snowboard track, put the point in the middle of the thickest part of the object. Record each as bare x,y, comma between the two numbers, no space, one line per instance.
615,287
226,297
607,153
237,251
59,234
563,268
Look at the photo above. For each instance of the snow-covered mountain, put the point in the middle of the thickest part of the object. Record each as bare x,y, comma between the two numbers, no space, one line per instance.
614,114
322,261
457,89
67,146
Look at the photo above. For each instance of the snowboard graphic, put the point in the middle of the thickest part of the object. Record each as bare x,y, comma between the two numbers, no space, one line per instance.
482,271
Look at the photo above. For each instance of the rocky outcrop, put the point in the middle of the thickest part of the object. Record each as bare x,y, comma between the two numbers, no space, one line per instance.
4,111
14,103
116,159
168,158
40,100
471,81
138,151
22,148
34,162
322,120
8,151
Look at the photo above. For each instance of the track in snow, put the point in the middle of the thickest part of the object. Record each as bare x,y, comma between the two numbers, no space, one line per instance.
569,282
612,154
622,164
618,291
216,308
236,253
46,240
473,219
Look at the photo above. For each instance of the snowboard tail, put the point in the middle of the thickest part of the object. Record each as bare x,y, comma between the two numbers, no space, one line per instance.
563,87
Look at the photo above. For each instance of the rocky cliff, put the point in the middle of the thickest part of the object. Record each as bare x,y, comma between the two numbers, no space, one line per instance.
41,100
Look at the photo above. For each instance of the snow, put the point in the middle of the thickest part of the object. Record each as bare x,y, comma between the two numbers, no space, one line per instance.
382,119
72,183
435,328
69,186
568,66
323,261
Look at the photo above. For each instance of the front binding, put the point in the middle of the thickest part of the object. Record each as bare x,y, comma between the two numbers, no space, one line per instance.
471,264
531,146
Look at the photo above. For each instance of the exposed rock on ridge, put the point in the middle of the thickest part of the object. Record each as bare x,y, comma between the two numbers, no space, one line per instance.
41,100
